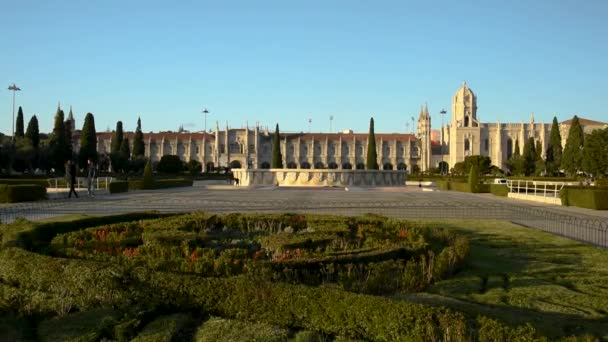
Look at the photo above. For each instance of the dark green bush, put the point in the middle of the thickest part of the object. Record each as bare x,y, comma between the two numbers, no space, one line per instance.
119,186
499,189
80,326
164,328
160,184
585,197
18,181
21,193
170,164
148,181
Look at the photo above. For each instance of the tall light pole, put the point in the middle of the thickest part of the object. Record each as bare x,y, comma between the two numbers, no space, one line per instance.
331,119
14,89
442,162
309,125
413,125
205,112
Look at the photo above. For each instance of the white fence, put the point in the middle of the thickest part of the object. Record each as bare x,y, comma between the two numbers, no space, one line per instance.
537,188
81,182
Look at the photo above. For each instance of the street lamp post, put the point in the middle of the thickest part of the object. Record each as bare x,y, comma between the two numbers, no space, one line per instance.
442,162
205,112
14,89
331,119
309,125
412,125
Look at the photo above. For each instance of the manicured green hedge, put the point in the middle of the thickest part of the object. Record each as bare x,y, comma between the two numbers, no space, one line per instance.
585,197
16,181
119,186
80,326
163,328
21,193
47,283
462,186
499,189
162,183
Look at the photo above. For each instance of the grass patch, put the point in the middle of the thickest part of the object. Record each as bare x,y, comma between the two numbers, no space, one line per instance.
520,275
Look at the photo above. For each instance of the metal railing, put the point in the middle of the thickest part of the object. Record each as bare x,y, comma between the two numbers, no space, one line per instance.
537,188
81,182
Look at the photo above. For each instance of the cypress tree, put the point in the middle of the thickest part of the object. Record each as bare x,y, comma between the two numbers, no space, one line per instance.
595,153
372,156
88,140
19,124
554,149
58,151
125,149
139,148
474,177
277,159
516,149
68,137
117,138
572,157
148,177
529,157
33,133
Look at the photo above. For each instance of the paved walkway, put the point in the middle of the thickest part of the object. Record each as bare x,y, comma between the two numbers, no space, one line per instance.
407,202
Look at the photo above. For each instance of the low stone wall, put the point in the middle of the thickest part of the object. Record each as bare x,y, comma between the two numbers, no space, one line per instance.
305,177
535,198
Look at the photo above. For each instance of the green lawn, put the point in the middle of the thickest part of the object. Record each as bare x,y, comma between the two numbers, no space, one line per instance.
524,275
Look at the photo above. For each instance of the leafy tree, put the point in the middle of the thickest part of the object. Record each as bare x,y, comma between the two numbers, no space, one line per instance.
483,163
554,149
19,124
595,153
138,141
88,141
539,166
572,157
277,159
529,157
170,164
33,133
58,149
194,167
458,169
372,154
516,151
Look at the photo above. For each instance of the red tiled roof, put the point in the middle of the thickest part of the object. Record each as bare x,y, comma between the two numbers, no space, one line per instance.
585,122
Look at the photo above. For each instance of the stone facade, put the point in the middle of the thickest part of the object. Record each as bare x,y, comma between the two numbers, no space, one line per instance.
463,135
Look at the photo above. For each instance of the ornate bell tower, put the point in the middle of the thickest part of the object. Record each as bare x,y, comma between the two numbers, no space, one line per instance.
424,136
464,107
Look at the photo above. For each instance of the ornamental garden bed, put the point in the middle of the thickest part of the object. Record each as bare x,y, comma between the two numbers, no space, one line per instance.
204,277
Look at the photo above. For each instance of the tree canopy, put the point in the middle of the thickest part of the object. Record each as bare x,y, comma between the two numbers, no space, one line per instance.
554,149
59,152
19,124
33,133
139,148
88,140
572,157
595,153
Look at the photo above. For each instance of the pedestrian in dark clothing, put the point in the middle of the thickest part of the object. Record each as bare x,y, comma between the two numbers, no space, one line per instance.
72,178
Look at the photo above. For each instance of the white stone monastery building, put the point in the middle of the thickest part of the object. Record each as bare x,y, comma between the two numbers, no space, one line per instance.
462,136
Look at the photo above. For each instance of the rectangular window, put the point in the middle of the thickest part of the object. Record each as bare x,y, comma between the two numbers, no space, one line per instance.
487,143
222,148
197,150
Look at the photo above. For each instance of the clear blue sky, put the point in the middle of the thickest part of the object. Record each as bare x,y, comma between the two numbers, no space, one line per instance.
285,61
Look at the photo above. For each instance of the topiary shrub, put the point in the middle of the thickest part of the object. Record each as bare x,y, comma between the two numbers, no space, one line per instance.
119,186
148,182
474,178
21,193
499,189
194,167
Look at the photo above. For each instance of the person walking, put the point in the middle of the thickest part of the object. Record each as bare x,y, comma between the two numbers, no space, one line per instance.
91,175
71,173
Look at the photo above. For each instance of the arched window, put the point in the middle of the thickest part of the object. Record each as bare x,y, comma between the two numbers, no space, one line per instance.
332,165
305,165
292,165
401,166
265,165
319,165
387,166
209,167
466,121
467,145
360,166
347,166
235,164
487,144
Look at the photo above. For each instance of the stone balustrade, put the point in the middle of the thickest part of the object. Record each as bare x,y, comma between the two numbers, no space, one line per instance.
320,177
